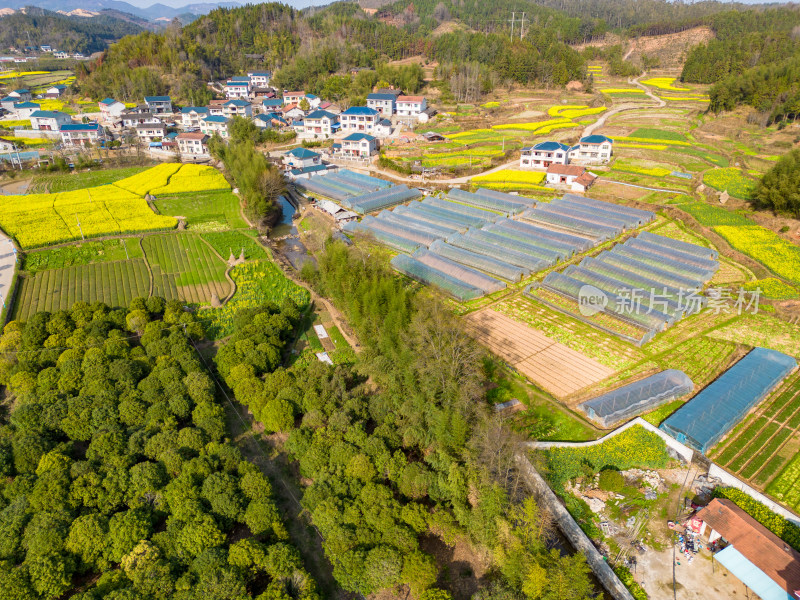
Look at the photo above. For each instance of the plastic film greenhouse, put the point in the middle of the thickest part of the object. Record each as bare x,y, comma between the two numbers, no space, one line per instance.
490,265
694,249
375,201
628,219
645,215
502,228
580,243
706,418
439,230
421,237
598,233
474,211
395,242
486,193
507,207
483,282
414,211
519,259
424,274
635,398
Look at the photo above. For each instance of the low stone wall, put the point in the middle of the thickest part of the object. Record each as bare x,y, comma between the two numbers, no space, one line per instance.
37,134
571,530
675,448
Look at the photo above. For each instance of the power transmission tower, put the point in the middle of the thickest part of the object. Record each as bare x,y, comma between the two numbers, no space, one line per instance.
522,26
512,25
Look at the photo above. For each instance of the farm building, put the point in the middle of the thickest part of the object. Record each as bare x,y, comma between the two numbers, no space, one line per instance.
573,177
297,158
592,149
544,154
110,108
706,418
750,552
55,91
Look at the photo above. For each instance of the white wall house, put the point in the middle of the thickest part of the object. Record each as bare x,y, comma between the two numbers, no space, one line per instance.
134,118
593,149
300,158
194,143
55,91
238,107
49,120
383,128
22,95
313,101
150,132
383,103
192,115
158,104
24,110
359,119
110,108
292,112
236,90
361,145
411,106
293,97
259,79
320,124
573,177
215,124
82,134
544,154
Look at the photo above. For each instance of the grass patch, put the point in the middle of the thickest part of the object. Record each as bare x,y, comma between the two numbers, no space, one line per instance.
714,216
65,182
82,254
225,242
732,180
657,134
204,211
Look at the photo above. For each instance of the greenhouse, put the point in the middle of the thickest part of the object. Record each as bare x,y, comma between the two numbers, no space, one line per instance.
598,233
409,233
645,215
696,274
435,211
413,212
474,211
382,198
706,418
627,263
520,259
395,242
635,398
490,265
503,229
418,271
483,282
671,254
317,185
694,249
587,215
507,207
439,230
373,182
630,221
486,193
581,244
511,244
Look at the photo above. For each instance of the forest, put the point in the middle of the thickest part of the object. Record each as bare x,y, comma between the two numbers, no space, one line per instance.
779,189
118,481
71,34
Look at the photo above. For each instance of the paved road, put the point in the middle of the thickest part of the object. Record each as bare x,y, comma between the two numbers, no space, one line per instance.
625,107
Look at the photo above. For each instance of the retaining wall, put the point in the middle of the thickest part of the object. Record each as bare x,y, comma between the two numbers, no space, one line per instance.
572,531
37,133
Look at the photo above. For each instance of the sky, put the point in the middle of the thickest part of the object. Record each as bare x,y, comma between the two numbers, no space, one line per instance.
180,3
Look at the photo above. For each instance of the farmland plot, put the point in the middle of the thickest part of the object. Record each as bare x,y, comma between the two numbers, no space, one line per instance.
115,283
185,268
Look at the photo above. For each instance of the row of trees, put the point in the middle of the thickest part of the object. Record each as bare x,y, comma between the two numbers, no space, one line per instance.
401,444
116,475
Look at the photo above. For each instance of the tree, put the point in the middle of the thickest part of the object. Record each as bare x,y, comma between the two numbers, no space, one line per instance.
419,572
779,188
304,105
86,539
277,415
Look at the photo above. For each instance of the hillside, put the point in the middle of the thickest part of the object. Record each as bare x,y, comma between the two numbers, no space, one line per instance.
37,26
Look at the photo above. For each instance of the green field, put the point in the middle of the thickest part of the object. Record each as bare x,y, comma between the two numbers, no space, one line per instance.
185,268
657,134
225,242
204,211
67,182
712,216
82,254
115,283
732,180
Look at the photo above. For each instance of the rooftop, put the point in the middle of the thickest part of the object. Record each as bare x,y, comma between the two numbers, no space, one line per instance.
410,98
378,96
548,146
596,139
216,119
302,153
48,114
157,99
80,127
566,169
190,109
193,135
26,105
360,110
357,137
321,114
237,103
107,101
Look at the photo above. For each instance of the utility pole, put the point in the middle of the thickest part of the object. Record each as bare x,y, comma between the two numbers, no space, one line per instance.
522,25
79,226
512,25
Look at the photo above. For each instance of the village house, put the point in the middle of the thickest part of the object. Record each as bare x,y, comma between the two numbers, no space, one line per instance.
293,97
150,132
61,55
359,145
158,104
192,115
301,158
25,109
320,124
215,124
8,102
383,128
82,134
411,106
383,103
259,79
573,177
544,154
49,120
592,149
240,108
194,143
313,101
110,108
271,104
237,90
133,118
263,120
762,561
22,95
55,91
216,108
292,112
359,118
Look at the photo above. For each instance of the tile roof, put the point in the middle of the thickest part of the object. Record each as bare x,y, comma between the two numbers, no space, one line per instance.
107,101
26,105
320,114
302,153
80,127
201,110
586,179
377,96
260,73
272,102
549,146
410,98
360,110
216,119
237,103
595,139
755,542
192,135
240,79
566,169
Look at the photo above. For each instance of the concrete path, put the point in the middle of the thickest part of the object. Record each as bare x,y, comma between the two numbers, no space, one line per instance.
8,264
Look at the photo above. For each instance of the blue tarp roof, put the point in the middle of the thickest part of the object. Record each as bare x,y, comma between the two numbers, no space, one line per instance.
703,420
750,575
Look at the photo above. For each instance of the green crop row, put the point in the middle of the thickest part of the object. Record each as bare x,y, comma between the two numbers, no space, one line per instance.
738,444
753,447
713,216
769,470
765,452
